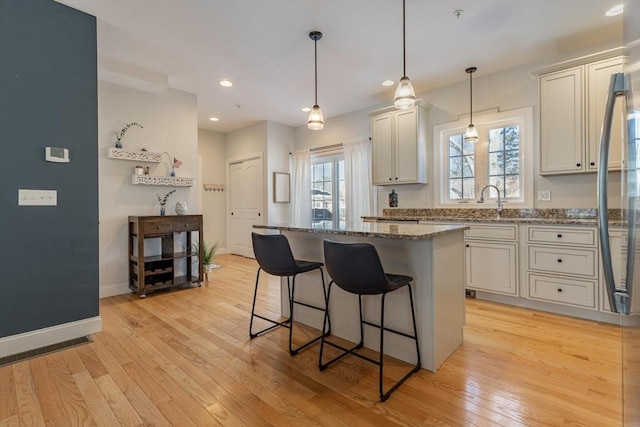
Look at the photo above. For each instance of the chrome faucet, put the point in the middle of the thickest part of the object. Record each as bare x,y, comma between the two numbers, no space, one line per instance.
481,199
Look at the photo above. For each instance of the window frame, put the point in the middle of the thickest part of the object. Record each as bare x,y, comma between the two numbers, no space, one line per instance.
484,121
332,157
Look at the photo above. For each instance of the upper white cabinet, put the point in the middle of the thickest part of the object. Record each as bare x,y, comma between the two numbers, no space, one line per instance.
399,139
572,101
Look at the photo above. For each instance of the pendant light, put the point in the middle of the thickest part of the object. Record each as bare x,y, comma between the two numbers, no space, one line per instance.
471,134
405,95
315,121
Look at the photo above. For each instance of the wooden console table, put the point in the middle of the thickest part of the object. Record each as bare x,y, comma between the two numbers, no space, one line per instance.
149,273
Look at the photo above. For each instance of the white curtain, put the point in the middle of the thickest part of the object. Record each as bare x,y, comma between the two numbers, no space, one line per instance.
357,169
301,196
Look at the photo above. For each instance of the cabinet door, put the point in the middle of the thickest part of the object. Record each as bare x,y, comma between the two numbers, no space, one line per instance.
406,150
492,267
382,142
561,122
599,78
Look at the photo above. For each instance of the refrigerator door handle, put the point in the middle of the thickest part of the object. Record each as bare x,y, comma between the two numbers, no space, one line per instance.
618,299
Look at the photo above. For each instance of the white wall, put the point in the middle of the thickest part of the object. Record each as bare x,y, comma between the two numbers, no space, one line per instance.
248,140
211,149
170,124
280,142
506,90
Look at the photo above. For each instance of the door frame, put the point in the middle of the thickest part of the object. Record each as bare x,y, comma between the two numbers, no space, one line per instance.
258,155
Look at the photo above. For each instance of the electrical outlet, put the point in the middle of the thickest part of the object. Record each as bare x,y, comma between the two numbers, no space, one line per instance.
544,196
37,198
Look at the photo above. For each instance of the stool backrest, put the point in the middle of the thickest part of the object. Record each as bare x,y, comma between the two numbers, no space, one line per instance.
273,254
355,267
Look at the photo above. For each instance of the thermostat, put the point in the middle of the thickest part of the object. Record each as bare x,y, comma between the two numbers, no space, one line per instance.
56,154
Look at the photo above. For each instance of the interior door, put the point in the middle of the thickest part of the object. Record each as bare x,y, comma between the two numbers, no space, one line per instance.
246,203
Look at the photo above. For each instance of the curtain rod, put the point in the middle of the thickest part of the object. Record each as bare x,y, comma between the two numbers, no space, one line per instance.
326,147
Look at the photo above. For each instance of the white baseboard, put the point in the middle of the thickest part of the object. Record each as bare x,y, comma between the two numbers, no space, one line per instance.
54,334
109,291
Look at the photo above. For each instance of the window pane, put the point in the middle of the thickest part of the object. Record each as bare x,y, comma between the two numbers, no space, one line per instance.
512,186
468,188
498,181
455,167
455,145
512,162
511,138
467,167
341,170
327,171
455,189
496,163
496,139
468,147
317,172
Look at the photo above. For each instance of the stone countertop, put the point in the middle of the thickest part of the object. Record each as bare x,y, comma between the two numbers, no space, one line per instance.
379,230
513,216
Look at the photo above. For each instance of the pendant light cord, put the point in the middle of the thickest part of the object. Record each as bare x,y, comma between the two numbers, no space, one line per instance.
471,97
315,46
404,51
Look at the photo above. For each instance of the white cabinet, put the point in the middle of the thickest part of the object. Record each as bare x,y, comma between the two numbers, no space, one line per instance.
572,102
562,265
399,146
491,258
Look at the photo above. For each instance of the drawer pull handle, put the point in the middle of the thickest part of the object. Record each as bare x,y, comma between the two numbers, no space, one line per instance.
578,164
559,289
559,259
559,236
157,227
467,245
593,163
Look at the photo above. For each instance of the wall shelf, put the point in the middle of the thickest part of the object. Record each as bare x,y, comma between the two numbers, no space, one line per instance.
176,181
138,156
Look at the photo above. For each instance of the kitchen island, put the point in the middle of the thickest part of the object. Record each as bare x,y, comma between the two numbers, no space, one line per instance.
432,254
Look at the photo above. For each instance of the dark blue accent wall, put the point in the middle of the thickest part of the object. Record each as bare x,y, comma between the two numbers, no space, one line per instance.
48,97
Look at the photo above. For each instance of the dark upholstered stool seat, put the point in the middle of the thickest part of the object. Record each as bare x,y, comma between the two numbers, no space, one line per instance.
274,256
356,268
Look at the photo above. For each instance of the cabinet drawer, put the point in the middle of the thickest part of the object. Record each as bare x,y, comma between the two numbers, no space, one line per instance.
186,224
152,227
581,293
492,232
564,261
563,235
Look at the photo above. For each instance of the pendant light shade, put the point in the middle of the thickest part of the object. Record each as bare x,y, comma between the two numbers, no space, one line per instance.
471,134
405,95
315,120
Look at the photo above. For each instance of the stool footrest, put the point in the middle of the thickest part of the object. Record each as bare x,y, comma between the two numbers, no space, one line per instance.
390,330
284,323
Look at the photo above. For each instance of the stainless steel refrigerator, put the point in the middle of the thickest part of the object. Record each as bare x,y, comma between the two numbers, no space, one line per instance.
624,294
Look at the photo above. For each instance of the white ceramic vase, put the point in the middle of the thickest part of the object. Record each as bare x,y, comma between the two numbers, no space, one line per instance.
181,208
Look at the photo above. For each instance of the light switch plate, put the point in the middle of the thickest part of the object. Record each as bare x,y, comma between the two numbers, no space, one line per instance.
544,196
37,197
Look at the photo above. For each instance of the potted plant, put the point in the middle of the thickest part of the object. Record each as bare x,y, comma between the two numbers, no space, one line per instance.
163,200
120,135
208,254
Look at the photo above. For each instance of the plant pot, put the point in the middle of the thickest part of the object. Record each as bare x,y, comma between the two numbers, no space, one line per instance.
208,268
162,211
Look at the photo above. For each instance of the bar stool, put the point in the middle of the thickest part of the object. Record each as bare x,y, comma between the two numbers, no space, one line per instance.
356,268
274,256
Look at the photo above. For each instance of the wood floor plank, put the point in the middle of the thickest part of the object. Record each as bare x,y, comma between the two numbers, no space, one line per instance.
184,358
29,409
8,402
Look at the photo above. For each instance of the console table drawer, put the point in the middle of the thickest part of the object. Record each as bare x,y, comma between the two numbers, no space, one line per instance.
152,227
563,261
186,224
561,290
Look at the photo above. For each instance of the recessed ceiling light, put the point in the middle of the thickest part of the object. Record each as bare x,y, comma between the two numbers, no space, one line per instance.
226,83
615,10
214,119
306,109
388,83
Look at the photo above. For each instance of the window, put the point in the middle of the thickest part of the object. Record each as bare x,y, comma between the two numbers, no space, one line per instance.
497,159
328,192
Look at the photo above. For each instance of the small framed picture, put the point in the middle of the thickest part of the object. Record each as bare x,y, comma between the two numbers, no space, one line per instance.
281,187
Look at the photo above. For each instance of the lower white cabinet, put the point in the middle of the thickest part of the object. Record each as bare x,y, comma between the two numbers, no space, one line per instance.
562,265
491,258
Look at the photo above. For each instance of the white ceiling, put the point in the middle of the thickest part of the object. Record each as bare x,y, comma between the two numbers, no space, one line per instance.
264,48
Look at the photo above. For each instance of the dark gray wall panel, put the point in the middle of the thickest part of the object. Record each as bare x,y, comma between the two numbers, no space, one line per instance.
48,97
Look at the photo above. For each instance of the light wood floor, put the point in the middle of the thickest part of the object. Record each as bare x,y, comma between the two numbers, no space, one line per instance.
184,358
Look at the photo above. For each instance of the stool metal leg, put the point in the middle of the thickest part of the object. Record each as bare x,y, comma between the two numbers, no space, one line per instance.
293,301
284,323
